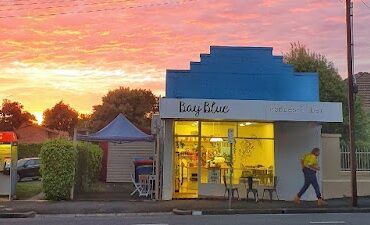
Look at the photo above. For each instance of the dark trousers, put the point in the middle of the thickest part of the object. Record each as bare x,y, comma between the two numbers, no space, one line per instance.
310,178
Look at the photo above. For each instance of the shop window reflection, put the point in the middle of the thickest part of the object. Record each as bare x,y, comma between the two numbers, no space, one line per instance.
253,154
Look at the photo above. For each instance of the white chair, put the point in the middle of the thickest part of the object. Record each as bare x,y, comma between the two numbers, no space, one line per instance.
146,187
142,187
138,187
272,189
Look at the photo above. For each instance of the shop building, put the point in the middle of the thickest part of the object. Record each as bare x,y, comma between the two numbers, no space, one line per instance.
275,115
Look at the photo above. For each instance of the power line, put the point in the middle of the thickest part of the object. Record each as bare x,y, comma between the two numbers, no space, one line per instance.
37,3
65,6
365,4
100,10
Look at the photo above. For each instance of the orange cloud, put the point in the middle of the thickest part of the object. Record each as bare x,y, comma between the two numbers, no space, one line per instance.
77,51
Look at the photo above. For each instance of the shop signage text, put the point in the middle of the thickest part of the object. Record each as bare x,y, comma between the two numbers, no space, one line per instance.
205,107
299,109
221,109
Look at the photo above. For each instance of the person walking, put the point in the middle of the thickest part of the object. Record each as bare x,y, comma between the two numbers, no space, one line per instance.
310,167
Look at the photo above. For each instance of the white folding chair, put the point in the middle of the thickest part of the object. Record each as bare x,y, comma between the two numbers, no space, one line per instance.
138,186
145,185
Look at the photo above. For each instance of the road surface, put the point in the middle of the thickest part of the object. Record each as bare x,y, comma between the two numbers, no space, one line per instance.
169,219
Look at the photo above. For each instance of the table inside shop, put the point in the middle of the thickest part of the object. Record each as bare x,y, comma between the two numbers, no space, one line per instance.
219,171
263,175
249,179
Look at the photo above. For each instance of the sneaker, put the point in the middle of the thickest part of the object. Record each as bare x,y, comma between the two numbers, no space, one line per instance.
297,200
321,202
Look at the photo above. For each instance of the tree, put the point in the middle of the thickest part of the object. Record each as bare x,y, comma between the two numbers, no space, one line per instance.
137,105
13,116
84,121
332,89
61,117
362,125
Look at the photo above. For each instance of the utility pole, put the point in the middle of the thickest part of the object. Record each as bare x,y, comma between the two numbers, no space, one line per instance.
352,146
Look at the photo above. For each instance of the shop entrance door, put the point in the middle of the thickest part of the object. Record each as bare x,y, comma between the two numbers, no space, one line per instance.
186,173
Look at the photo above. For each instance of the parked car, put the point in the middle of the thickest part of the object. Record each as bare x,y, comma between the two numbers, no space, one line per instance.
28,167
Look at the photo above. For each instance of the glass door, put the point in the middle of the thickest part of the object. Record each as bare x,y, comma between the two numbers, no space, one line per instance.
186,167
186,159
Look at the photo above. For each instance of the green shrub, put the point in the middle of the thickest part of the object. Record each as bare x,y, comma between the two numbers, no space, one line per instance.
28,150
89,161
58,159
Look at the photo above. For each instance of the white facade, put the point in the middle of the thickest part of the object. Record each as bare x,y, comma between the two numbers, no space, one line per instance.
297,132
292,141
258,110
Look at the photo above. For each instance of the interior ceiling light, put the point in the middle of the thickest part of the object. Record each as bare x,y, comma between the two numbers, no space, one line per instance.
214,139
245,124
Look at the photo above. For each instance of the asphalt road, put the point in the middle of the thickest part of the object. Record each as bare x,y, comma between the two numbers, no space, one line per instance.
168,219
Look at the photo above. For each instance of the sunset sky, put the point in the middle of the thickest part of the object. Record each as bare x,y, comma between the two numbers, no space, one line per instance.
77,50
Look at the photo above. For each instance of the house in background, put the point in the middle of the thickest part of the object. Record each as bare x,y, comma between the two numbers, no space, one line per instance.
122,143
30,133
363,82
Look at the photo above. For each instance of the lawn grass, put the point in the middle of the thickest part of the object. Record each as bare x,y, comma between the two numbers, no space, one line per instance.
26,190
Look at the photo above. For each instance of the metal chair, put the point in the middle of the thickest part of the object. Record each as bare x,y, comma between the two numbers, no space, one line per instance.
142,187
252,190
145,185
229,189
138,187
272,189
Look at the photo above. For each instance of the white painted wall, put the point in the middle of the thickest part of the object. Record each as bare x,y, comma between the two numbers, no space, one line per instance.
337,183
167,186
120,164
292,141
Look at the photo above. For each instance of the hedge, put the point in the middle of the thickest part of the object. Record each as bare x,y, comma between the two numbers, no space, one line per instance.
89,161
58,159
29,150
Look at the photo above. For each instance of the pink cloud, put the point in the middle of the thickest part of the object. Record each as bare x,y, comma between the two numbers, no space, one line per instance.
146,39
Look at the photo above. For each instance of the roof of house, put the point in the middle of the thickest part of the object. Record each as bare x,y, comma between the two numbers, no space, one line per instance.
363,83
28,124
29,133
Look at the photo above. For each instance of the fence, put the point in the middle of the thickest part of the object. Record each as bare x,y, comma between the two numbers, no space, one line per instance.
362,157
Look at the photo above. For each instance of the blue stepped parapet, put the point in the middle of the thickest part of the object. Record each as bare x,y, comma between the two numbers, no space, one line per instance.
250,73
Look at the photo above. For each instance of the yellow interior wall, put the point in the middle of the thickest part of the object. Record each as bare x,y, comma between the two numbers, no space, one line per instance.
256,130
217,129
186,128
254,144
252,152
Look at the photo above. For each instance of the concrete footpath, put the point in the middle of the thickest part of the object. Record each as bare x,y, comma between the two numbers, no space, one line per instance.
182,207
